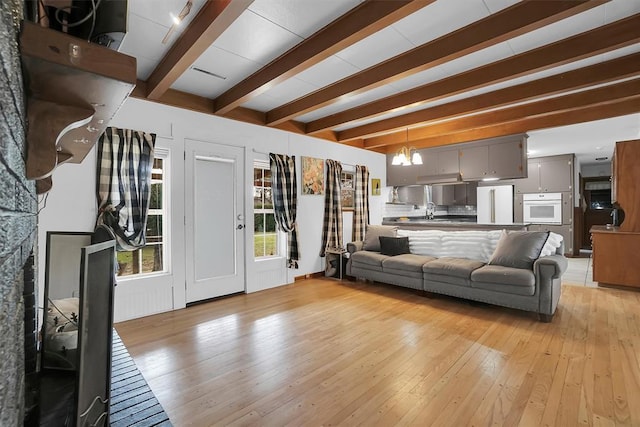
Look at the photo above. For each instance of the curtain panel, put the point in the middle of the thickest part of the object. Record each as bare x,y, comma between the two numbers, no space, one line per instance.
283,188
125,160
360,203
332,226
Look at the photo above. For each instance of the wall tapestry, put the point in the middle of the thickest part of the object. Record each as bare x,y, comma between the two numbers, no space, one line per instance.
312,175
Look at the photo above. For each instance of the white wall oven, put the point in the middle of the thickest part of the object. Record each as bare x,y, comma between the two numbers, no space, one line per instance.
542,208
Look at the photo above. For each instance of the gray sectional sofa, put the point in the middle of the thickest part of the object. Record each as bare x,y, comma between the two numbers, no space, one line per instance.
511,269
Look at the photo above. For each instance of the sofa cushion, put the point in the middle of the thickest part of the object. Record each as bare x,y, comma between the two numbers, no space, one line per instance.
368,258
445,278
498,278
406,265
457,267
372,234
394,245
519,249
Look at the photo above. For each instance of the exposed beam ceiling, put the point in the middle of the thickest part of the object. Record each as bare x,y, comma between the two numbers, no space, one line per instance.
212,20
605,72
364,20
513,21
325,77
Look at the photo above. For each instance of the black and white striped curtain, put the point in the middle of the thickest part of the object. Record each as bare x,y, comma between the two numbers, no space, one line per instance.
360,203
283,188
332,226
125,160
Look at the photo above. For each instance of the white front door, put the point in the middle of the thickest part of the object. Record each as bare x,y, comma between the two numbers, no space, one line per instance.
214,209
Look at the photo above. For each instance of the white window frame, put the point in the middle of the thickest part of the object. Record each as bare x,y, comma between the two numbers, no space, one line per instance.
160,153
261,164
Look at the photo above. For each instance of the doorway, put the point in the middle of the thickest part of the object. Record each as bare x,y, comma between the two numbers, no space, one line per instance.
214,220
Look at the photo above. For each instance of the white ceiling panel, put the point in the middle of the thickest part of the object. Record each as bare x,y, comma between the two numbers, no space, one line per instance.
302,17
145,67
287,91
568,27
349,102
217,61
146,40
497,5
440,18
158,10
378,47
262,103
254,37
327,71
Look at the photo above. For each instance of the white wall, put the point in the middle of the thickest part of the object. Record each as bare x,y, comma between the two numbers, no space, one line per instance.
71,204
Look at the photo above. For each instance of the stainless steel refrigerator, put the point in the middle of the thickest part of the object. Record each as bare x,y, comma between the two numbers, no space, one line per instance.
495,204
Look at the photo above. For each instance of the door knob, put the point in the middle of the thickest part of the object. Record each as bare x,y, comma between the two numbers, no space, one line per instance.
240,226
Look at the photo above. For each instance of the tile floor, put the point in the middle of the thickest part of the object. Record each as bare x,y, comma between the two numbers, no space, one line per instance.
580,271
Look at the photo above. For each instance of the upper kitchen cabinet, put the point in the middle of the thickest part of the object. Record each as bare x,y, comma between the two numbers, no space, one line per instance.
501,158
439,161
398,175
552,174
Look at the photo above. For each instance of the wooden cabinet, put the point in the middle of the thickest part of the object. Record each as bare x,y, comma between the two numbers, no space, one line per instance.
626,183
615,255
502,158
552,174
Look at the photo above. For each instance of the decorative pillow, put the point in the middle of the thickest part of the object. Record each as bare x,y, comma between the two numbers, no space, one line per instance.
394,245
553,242
372,234
519,249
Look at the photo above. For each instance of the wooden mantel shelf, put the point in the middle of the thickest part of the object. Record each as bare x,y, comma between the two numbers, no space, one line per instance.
74,88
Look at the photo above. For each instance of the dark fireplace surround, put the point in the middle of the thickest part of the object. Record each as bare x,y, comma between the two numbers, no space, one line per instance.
18,213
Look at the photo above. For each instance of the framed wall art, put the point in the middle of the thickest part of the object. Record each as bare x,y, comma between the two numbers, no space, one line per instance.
312,175
375,187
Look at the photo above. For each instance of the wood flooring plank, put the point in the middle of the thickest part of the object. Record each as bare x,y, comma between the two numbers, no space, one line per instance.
325,352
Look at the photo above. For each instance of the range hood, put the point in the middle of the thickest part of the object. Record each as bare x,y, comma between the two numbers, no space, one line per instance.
445,178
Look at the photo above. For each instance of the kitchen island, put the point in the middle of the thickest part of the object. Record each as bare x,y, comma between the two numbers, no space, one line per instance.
449,223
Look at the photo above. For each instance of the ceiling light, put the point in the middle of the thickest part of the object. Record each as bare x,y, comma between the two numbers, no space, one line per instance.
177,20
406,157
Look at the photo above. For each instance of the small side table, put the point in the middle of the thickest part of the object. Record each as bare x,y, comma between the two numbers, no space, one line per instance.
338,256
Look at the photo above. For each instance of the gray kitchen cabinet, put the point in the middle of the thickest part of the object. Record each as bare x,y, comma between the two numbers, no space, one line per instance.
398,175
439,161
567,208
556,174
552,174
465,194
443,195
518,212
530,184
503,159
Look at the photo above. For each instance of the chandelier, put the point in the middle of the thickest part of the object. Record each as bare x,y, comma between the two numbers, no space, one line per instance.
407,156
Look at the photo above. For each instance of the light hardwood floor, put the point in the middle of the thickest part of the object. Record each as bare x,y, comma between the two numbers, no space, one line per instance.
323,352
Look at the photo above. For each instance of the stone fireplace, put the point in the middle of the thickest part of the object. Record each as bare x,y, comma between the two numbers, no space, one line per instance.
18,214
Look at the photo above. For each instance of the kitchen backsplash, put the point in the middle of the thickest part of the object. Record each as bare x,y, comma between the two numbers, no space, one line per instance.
462,210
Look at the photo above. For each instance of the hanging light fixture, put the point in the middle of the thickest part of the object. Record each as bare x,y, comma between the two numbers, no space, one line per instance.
405,157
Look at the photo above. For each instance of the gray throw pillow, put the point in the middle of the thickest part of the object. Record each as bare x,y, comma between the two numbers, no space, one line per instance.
519,249
394,245
372,234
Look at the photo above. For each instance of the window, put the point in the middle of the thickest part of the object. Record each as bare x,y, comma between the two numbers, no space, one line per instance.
347,189
265,236
151,258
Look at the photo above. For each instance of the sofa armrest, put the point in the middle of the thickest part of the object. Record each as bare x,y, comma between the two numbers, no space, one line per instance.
558,262
354,246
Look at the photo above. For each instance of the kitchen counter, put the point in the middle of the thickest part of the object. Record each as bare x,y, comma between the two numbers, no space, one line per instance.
449,223
614,254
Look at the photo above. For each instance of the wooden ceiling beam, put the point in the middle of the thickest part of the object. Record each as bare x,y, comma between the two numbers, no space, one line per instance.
212,20
590,43
510,22
367,18
602,95
582,115
604,72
